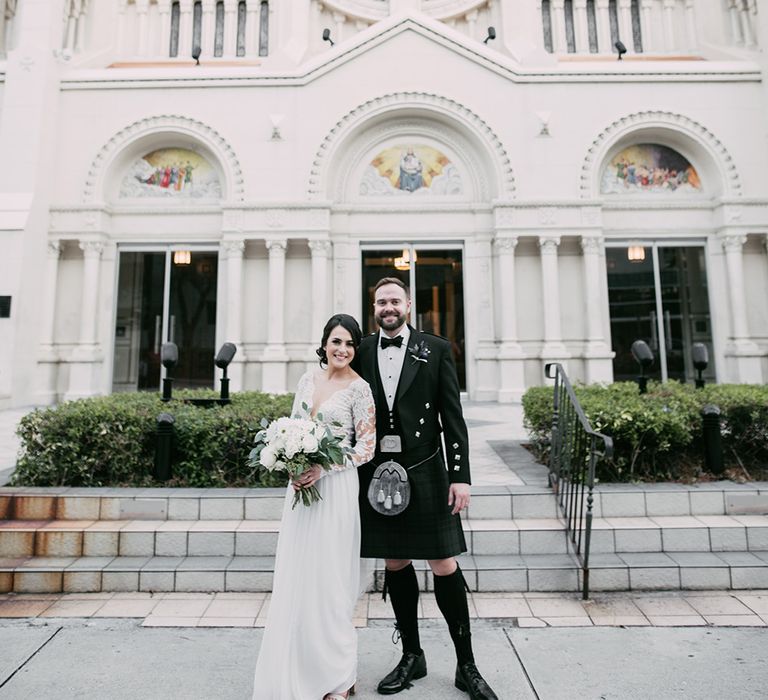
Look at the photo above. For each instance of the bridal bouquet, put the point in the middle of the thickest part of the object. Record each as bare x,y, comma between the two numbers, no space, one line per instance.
293,445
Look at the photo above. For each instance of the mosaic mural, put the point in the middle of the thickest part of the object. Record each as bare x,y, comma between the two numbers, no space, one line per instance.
411,170
649,168
173,173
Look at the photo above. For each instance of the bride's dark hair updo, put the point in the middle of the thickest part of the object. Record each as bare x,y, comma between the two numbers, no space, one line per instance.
346,322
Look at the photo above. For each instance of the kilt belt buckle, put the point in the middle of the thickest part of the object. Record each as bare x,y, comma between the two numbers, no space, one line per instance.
389,492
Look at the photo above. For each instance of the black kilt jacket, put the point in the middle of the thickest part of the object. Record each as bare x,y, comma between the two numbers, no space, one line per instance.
427,415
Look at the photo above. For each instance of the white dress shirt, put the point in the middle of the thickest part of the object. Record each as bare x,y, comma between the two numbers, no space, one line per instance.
391,364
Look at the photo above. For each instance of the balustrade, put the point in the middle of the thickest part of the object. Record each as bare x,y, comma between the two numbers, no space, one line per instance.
183,28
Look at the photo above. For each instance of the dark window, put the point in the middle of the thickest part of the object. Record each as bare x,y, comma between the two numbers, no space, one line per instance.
197,25
5,307
546,23
241,17
570,39
264,30
592,26
637,32
218,43
614,17
175,13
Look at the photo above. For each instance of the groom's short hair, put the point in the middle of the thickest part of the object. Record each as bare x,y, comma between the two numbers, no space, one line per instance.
393,280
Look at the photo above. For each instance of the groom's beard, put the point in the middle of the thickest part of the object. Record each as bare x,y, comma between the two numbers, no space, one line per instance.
391,322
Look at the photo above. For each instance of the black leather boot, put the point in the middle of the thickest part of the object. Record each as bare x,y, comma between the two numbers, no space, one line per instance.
411,667
469,680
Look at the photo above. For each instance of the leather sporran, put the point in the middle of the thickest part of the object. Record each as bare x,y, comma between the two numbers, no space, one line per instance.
389,492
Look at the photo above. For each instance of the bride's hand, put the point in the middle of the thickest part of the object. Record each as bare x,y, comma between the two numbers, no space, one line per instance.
308,478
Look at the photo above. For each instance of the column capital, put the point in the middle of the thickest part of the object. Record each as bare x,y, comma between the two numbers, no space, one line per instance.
233,248
505,245
734,242
54,248
276,246
91,249
320,247
548,244
592,244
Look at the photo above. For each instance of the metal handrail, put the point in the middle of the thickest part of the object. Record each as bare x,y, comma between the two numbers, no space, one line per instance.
574,452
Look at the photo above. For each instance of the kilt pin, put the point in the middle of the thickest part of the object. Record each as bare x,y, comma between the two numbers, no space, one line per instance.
426,408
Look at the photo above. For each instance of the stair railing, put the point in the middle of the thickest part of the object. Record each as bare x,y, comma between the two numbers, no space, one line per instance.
574,453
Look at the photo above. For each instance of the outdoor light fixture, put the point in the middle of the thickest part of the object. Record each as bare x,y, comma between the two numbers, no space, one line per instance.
636,253
621,49
700,361
223,358
404,262
327,36
644,357
196,51
169,358
491,35
182,257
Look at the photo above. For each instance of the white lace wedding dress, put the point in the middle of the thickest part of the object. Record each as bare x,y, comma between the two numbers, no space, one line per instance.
309,646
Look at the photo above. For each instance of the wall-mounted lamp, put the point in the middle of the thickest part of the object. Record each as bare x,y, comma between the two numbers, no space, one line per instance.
491,35
636,253
621,49
327,36
182,257
196,51
404,262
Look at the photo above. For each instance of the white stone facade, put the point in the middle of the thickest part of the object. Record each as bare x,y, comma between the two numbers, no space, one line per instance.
291,188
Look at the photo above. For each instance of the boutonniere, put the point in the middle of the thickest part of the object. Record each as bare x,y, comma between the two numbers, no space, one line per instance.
419,352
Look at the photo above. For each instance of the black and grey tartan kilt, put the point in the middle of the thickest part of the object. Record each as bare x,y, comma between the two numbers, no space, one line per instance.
425,529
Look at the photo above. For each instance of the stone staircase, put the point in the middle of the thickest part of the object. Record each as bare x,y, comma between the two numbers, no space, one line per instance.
658,537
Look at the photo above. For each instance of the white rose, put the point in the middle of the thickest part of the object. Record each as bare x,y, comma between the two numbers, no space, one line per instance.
268,457
310,444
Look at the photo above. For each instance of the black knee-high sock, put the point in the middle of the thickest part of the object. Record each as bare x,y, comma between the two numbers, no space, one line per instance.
403,590
451,597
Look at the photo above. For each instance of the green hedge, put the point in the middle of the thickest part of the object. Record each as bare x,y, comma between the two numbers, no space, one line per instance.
657,436
110,441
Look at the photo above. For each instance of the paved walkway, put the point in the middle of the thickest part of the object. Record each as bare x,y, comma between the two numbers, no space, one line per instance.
525,610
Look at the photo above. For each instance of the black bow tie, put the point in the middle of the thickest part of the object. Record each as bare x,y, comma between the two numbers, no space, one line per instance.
386,342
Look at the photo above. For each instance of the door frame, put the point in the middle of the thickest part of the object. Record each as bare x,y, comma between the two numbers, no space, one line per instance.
168,249
654,243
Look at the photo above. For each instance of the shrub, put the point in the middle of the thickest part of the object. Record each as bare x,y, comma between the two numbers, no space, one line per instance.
656,435
110,441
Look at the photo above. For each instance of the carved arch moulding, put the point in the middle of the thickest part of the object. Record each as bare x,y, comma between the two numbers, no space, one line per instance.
426,104
173,125
672,123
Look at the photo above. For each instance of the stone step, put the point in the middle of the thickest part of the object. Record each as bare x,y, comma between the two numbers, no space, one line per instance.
526,573
488,502
188,538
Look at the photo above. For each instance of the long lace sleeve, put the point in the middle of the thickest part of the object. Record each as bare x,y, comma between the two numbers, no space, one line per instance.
301,396
364,420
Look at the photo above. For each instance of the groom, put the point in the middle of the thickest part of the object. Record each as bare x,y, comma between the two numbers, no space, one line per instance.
416,390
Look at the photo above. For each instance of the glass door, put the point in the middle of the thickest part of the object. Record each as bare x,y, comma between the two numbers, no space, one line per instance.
658,293
434,275
165,296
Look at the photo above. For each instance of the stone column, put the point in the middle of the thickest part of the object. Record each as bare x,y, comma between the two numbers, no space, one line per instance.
185,28
230,28
559,42
208,28
320,251
597,354
603,21
742,347
669,25
690,25
142,11
553,349
275,362
164,40
580,29
48,357
82,373
624,12
511,356
646,26
253,7
233,251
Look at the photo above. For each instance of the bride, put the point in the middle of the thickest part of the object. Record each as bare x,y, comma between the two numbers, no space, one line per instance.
309,648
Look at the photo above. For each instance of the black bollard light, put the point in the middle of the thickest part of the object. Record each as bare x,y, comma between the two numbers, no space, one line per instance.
713,447
700,362
644,357
169,357
164,447
223,358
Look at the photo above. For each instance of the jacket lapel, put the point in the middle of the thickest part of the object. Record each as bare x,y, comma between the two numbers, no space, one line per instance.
410,367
